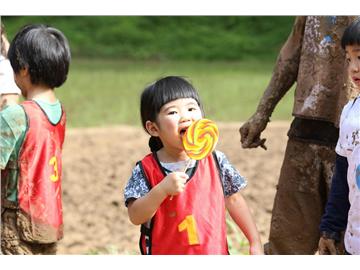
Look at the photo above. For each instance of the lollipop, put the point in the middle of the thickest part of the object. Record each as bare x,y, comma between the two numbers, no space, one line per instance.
200,139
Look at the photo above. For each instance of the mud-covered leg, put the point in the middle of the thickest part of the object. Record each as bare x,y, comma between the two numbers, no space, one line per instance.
12,244
10,240
298,205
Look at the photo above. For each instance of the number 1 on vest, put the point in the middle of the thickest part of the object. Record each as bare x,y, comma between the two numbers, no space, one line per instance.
189,224
53,162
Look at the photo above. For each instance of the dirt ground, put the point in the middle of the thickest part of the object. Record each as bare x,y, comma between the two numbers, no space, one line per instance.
97,164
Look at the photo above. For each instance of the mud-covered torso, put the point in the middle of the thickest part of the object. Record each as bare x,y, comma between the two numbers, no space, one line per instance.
322,87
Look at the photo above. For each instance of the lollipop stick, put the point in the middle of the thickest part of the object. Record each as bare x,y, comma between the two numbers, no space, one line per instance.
187,165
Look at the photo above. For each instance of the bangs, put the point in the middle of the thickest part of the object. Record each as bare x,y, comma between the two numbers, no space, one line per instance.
351,35
172,89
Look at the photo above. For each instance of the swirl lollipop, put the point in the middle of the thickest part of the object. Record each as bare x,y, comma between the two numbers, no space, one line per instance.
200,139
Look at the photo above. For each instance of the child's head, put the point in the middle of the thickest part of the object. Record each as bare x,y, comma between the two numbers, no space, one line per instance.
351,34
350,42
160,93
44,52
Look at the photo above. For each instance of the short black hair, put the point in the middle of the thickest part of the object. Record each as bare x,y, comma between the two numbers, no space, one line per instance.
157,95
44,51
351,34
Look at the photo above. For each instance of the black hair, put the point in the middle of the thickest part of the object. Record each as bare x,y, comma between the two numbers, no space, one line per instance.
44,51
157,95
351,34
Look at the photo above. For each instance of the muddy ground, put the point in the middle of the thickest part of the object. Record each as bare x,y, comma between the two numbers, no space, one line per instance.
98,162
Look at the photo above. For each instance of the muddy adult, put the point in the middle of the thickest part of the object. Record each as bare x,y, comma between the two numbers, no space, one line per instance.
312,58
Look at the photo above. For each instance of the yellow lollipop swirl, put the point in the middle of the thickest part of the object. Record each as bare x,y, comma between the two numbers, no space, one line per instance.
200,139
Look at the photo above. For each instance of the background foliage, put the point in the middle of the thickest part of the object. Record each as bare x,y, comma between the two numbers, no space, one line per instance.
167,37
228,59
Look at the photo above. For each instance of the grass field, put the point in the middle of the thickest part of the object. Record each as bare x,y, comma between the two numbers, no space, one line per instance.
104,92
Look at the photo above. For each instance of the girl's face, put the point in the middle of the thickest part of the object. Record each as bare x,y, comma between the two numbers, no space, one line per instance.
173,120
353,60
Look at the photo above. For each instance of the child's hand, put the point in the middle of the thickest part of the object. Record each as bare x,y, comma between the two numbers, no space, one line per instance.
174,183
256,249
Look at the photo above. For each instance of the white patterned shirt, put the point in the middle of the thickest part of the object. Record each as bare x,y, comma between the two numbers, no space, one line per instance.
349,146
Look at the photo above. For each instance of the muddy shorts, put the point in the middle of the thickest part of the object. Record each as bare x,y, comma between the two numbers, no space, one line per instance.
11,243
300,200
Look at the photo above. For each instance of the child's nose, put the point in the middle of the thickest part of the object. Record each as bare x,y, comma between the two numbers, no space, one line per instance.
355,67
185,116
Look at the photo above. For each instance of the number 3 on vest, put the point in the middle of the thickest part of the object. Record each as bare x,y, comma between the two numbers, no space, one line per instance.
189,224
53,162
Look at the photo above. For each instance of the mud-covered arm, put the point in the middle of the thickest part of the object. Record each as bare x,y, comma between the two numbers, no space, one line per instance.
284,76
285,71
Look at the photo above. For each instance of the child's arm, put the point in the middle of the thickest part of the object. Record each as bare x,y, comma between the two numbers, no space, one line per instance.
8,99
240,213
12,130
334,220
144,208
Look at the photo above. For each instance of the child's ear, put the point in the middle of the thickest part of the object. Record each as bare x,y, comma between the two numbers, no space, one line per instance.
24,72
152,128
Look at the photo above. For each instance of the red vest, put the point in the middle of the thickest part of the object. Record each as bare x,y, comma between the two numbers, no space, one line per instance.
192,222
39,186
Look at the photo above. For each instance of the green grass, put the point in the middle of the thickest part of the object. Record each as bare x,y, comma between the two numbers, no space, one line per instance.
106,92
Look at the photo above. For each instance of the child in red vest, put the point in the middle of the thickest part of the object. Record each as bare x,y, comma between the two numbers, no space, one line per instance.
31,139
183,212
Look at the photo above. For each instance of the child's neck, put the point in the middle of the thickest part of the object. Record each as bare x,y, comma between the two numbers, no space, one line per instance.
42,93
169,155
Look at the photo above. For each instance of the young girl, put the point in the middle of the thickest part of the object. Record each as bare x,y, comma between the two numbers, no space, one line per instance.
183,213
343,207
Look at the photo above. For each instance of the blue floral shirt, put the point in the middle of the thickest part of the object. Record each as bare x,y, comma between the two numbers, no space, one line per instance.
138,186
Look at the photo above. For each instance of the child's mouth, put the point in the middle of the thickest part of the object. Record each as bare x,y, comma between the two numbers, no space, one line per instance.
182,131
